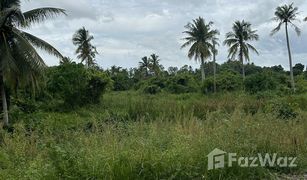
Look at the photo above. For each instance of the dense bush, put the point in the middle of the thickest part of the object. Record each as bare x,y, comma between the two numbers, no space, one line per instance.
182,83
121,81
284,110
76,85
135,136
97,85
158,81
301,84
298,69
260,82
177,84
225,81
152,89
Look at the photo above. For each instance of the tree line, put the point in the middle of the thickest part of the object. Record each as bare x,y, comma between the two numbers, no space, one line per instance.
202,38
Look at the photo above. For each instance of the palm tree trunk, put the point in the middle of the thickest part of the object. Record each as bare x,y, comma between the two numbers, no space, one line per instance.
4,104
203,74
146,72
242,61
214,71
290,58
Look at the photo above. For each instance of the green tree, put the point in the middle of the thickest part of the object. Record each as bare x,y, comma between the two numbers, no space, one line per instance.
199,38
298,69
238,42
19,60
145,65
286,15
85,50
121,78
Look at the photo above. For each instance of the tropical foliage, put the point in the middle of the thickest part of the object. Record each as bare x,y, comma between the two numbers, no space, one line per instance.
163,123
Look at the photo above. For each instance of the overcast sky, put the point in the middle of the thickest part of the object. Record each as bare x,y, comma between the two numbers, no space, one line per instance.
127,30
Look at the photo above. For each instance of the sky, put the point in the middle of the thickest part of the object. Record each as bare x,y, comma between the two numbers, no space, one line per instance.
127,30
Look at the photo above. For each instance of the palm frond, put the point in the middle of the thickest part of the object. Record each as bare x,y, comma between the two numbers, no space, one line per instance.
41,44
200,38
245,51
9,3
230,41
27,50
41,14
286,14
8,62
296,28
249,46
12,13
275,30
232,51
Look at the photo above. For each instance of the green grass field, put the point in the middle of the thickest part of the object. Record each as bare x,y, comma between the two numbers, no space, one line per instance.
135,136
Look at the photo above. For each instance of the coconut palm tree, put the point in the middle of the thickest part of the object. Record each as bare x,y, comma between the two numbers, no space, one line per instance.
238,41
145,65
19,61
199,38
155,64
85,50
286,15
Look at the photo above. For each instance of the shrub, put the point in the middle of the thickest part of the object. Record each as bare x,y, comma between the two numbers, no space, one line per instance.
182,83
283,109
301,84
260,82
122,82
208,86
154,81
76,85
158,81
225,81
152,89
97,85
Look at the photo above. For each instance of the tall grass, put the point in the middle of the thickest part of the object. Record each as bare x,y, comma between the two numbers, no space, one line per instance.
132,136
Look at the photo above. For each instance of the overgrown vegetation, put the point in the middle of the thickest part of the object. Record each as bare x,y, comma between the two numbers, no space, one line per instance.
136,136
76,121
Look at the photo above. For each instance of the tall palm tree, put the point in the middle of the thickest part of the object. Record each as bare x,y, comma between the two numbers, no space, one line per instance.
155,64
19,61
199,38
85,50
238,41
286,15
145,65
